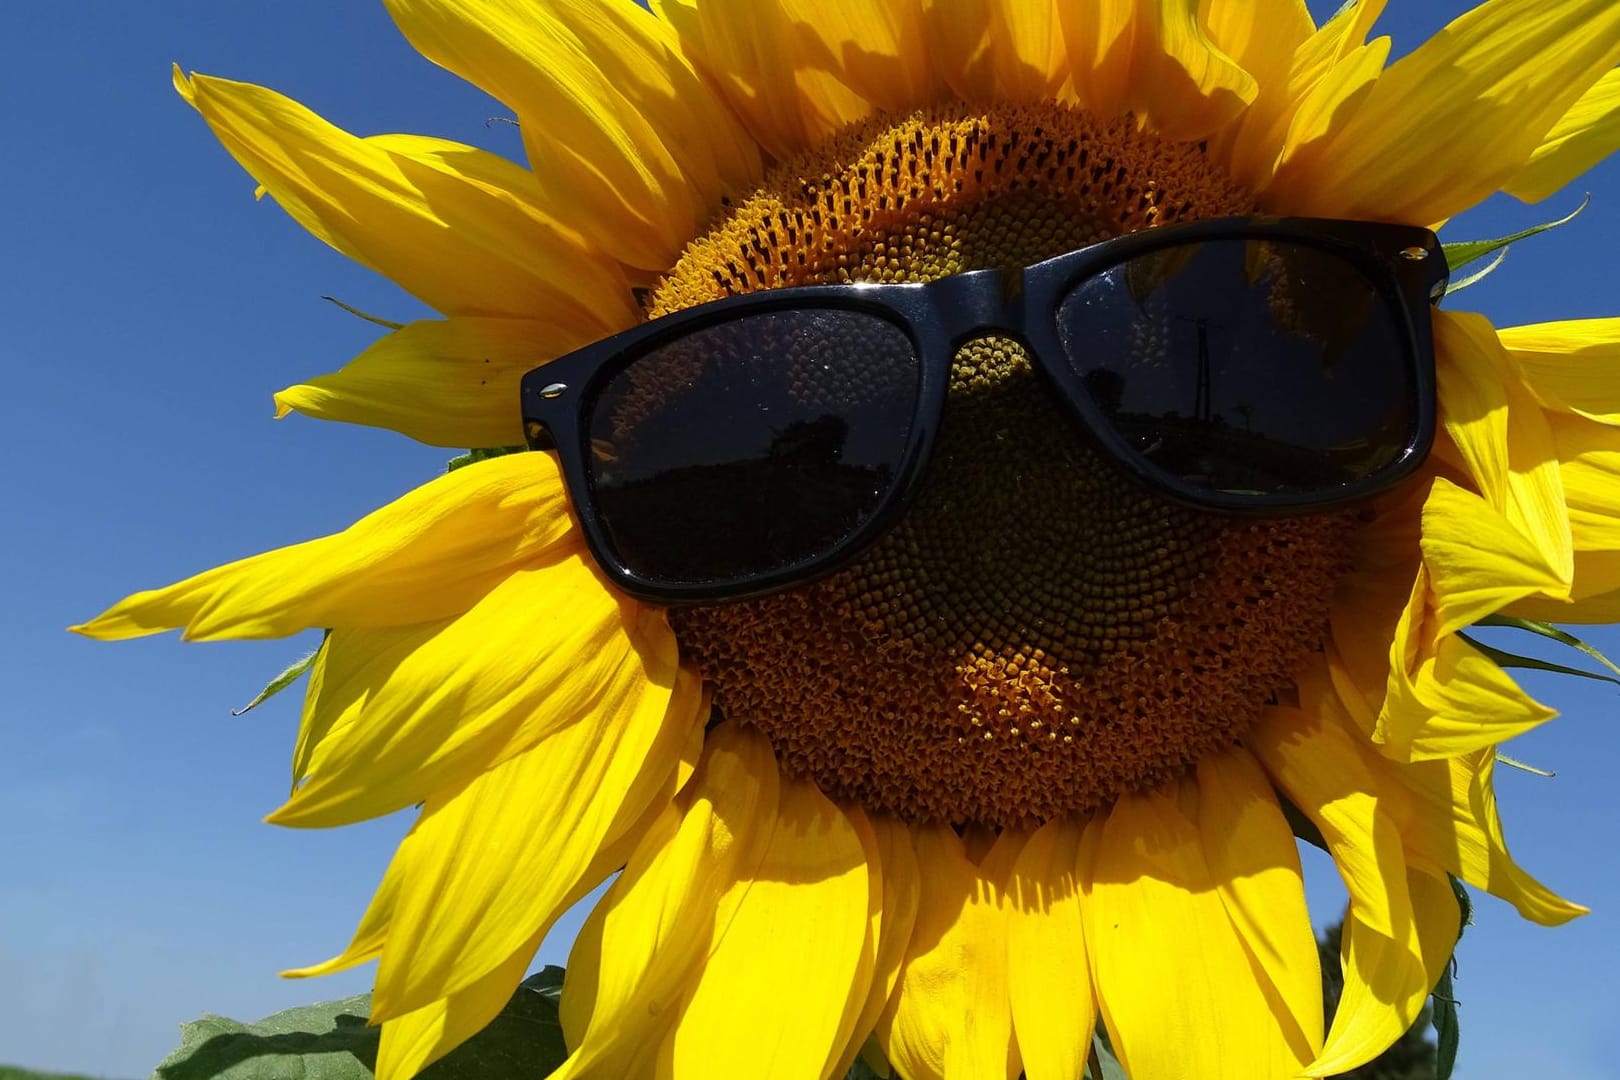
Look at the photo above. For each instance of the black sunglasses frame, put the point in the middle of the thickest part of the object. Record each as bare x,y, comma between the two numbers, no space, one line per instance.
1405,263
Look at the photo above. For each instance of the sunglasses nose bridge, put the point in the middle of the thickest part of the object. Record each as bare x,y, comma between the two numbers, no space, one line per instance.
979,302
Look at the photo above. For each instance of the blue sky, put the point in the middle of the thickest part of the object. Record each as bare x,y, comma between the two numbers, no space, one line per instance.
152,307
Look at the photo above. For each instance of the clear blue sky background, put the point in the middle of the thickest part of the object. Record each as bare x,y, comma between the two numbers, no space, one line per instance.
149,309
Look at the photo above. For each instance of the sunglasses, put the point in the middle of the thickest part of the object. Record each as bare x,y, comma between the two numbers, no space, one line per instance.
1246,366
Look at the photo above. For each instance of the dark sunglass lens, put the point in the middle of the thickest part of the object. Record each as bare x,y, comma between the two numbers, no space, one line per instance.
1246,367
753,445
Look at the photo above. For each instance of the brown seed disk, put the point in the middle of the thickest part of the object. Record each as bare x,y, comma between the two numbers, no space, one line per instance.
1040,634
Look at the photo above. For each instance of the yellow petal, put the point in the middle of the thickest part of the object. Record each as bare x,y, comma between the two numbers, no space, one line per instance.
446,383
313,725
1156,58
428,555
1184,85
1587,133
1048,980
1444,697
1333,789
784,968
1478,97
1503,438
950,1016
1325,107
1366,609
1100,37
1254,861
412,1042
1595,597
1570,366
1338,37
1261,37
1251,150
417,1039
372,934
645,942
1370,600
638,145
877,51
1589,463
1444,809
494,863
1180,993
1396,934
1027,58
369,937
774,75
1448,812
988,51
896,863
1478,562
433,714
1457,701
1387,979
460,228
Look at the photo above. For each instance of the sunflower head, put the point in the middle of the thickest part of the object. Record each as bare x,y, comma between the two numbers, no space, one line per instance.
1039,634
1038,741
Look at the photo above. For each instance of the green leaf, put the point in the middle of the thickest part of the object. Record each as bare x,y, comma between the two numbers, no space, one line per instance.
1447,1032
357,313
461,461
1551,632
547,982
331,1041
862,1071
1460,254
1447,1035
1465,905
1103,1065
1459,284
1514,660
1304,828
526,1039
288,676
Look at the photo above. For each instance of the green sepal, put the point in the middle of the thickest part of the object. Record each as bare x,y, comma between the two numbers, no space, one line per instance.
331,1041
1461,253
357,313
484,453
1552,633
1514,660
1457,285
288,676
1524,766
1447,1032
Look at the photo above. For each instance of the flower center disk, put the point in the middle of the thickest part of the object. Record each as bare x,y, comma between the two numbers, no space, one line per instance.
1039,635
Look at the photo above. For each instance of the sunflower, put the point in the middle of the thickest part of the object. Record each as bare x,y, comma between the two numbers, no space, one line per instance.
1030,759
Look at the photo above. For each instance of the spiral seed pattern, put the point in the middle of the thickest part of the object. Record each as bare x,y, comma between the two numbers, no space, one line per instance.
1040,634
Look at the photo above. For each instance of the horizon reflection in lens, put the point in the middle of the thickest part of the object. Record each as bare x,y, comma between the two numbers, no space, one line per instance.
752,445
1245,366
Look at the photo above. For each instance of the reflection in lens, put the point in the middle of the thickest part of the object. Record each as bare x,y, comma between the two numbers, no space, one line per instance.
1245,366
751,445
